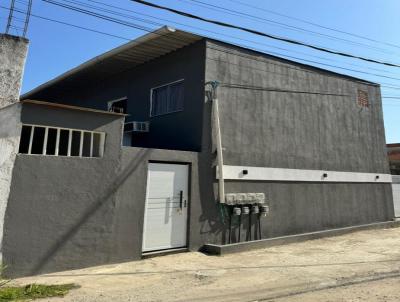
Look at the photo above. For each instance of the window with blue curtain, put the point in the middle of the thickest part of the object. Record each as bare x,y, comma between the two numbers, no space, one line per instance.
167,99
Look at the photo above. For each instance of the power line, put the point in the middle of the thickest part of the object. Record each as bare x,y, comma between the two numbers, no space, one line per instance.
298,69
104,17
73,25
217,33
280,24
256,32
127,24
145,29
315,24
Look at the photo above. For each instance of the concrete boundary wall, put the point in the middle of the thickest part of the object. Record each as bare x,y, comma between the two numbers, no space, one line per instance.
13,52
10,130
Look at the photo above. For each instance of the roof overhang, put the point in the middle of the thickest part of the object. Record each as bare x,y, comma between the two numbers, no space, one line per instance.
129,55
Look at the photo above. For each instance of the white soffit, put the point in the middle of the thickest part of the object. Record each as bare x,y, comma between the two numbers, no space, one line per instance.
280,174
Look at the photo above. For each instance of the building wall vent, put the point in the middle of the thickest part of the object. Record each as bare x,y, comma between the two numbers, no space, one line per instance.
362,98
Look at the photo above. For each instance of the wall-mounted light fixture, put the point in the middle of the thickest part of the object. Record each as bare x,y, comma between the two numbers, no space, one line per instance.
245,172
325,175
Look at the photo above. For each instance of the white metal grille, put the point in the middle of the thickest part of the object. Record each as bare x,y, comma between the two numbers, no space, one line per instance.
56,141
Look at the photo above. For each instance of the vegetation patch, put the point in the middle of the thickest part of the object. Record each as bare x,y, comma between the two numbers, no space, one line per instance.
34,291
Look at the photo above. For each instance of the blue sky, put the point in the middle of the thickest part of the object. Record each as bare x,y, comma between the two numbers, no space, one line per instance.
56,48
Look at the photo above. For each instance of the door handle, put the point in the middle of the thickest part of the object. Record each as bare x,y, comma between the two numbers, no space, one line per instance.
181,199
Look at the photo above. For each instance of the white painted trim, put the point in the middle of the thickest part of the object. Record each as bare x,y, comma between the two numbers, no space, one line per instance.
57,141
81,144
46,134
61,128
69,142
31,139
91,144
70,131
280,174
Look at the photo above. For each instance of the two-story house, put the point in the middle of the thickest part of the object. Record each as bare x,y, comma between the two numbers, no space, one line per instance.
174,140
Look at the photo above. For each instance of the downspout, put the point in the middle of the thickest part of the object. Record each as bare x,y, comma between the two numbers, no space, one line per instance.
218,140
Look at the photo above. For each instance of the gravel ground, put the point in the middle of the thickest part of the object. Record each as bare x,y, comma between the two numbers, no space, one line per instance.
362,266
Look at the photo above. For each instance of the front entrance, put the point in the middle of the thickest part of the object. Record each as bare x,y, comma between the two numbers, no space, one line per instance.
166,212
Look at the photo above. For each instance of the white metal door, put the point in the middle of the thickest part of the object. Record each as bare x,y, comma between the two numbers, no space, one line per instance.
165,218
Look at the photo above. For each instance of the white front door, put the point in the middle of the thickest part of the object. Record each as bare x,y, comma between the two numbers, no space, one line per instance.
165,218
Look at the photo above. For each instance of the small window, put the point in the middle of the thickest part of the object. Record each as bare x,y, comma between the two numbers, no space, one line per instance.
59,141
118,106
168,98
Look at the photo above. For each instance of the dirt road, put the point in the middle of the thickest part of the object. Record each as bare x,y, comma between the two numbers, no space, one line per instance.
363,266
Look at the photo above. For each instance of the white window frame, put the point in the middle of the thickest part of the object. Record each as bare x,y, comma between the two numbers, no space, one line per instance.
151,98
70,130
109,103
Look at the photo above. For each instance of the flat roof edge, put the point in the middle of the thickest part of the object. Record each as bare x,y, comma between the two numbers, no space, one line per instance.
63,106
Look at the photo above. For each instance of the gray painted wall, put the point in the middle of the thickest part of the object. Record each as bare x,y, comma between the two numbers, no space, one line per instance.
68,212
60,208
12,61
287,130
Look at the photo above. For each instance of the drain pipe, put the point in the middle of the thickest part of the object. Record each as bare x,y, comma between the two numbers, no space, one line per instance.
218,140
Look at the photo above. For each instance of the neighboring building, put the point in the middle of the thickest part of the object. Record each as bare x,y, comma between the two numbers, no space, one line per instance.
306,142
394,163
394,158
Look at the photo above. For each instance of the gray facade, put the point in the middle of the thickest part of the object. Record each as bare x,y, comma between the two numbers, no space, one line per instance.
79,212
301,131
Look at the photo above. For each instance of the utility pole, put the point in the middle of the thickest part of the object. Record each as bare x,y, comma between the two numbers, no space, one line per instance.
218,140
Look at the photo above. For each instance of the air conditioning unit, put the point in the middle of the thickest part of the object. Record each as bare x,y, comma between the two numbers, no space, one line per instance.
137,127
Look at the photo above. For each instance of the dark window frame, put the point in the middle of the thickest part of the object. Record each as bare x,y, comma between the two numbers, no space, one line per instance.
167,85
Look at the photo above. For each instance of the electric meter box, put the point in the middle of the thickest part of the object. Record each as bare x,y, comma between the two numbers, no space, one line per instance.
244,198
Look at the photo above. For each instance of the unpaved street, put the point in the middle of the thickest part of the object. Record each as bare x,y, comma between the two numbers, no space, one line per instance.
363,266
